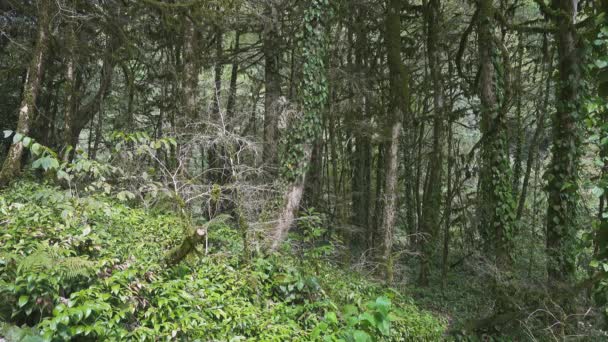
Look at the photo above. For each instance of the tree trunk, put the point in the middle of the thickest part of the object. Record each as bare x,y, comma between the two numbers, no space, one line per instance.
495,198
399,94
448,209
272,81
190,73
540,126
314,95
431,201
87,112
71,89
361,185
12,163
563,169
234,73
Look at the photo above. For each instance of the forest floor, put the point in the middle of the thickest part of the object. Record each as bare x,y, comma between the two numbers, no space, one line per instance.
91,266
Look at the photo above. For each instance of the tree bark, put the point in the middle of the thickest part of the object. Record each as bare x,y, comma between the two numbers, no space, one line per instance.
303,134
496,211
361,185
71,89
563,169
12,164
431,202
398,100
272,81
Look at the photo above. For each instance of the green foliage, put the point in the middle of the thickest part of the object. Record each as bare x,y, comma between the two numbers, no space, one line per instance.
314,91
92,268
596,105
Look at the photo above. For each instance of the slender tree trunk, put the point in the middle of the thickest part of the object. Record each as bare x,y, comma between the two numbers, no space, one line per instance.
519,128
272,80
12,163
361,186
399,94
190,73
71,91
98,133
234,73
448,209
540,127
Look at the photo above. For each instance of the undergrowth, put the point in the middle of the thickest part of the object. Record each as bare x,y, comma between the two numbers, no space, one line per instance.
91,268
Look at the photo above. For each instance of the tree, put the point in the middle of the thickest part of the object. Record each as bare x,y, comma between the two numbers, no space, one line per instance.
35,71
432,194
495,198
271,46
304,132
398,99
562,186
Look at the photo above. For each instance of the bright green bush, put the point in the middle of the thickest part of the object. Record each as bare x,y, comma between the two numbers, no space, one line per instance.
92,268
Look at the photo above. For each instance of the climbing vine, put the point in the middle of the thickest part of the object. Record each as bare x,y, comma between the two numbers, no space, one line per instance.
296,143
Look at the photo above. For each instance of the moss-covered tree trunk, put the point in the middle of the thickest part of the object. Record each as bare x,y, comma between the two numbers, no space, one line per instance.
12,163
563,169
304,132
496,205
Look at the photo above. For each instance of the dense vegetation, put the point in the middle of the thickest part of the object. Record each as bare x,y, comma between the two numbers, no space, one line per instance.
94,267
303,170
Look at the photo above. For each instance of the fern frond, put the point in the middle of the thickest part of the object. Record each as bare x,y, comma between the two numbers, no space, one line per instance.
54,260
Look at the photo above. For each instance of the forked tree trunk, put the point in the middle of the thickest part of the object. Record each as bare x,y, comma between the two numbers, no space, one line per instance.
12,163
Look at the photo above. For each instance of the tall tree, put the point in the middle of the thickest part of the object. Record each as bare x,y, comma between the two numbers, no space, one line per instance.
431,202
271,45
562,186
398,100
305,131
496,205
12,163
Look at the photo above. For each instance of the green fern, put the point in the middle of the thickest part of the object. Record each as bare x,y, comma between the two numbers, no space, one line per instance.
56,260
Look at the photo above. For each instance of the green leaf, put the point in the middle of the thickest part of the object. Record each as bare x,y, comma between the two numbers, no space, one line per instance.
383,304
384,327
597,191
27,141
23,300
17,138
366,316
36,147
331,317
361,336
7,133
